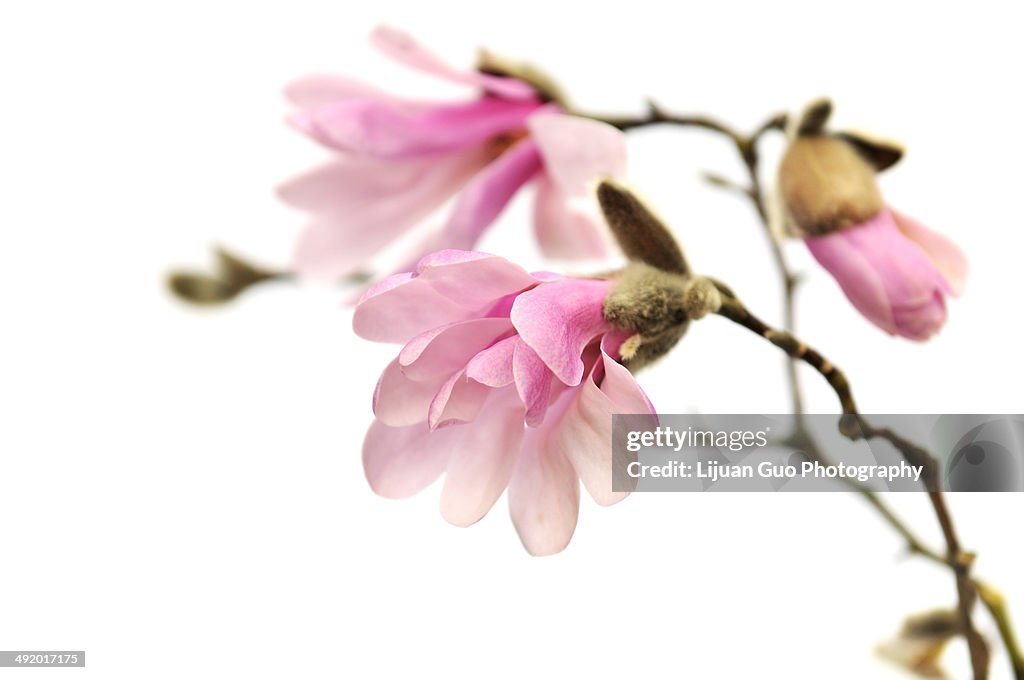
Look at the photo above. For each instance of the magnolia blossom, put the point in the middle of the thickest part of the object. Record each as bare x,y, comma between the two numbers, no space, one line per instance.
895,271
506,379
398,160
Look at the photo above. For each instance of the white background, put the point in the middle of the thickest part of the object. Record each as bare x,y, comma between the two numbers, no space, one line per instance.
181,492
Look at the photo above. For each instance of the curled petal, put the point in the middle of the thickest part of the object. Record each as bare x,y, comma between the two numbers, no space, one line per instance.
401,47
533,382
559,319
459,400
399,401
493,366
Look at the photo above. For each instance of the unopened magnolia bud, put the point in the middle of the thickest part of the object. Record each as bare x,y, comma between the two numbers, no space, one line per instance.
640,234
826,185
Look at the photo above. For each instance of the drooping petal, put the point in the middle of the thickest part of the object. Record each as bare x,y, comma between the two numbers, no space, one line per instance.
559,319
533,382
448,286
488,193
944,254
316,90
543,495
447,349
404,49
402,461
578,152
567,227
360,205
394,129
483,458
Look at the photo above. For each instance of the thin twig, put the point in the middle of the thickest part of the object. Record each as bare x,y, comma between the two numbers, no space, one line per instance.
855,426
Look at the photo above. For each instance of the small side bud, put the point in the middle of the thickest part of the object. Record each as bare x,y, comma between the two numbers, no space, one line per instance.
640,234
921,642
231,276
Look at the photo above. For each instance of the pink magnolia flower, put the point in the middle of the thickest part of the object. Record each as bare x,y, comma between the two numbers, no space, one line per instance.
895,271
399,160
506,379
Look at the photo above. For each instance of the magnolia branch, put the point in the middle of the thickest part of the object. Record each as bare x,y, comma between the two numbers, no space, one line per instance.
855,426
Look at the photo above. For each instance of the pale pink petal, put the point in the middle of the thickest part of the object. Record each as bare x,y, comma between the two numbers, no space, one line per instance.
559,319
403,48
578,152
488,193
543,496
360,205
483,459
443,291
447,349
459,400
625,393
567,227
493,366
402,461
944,254
390,129
533,382
399,401
318,90
581,430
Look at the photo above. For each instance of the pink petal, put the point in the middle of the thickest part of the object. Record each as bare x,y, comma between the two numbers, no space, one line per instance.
533,382
578,152
360,205
488,193
483,458
447,349
885,275
493,366
459,400
567,227
318,90
402,461
944,254
404,49
543,496
559,319
399,401
392,129
446,289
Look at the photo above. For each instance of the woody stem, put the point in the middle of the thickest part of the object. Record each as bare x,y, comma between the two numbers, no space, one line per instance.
854,426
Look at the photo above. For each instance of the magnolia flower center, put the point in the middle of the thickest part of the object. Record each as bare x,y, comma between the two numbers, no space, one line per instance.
499,144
